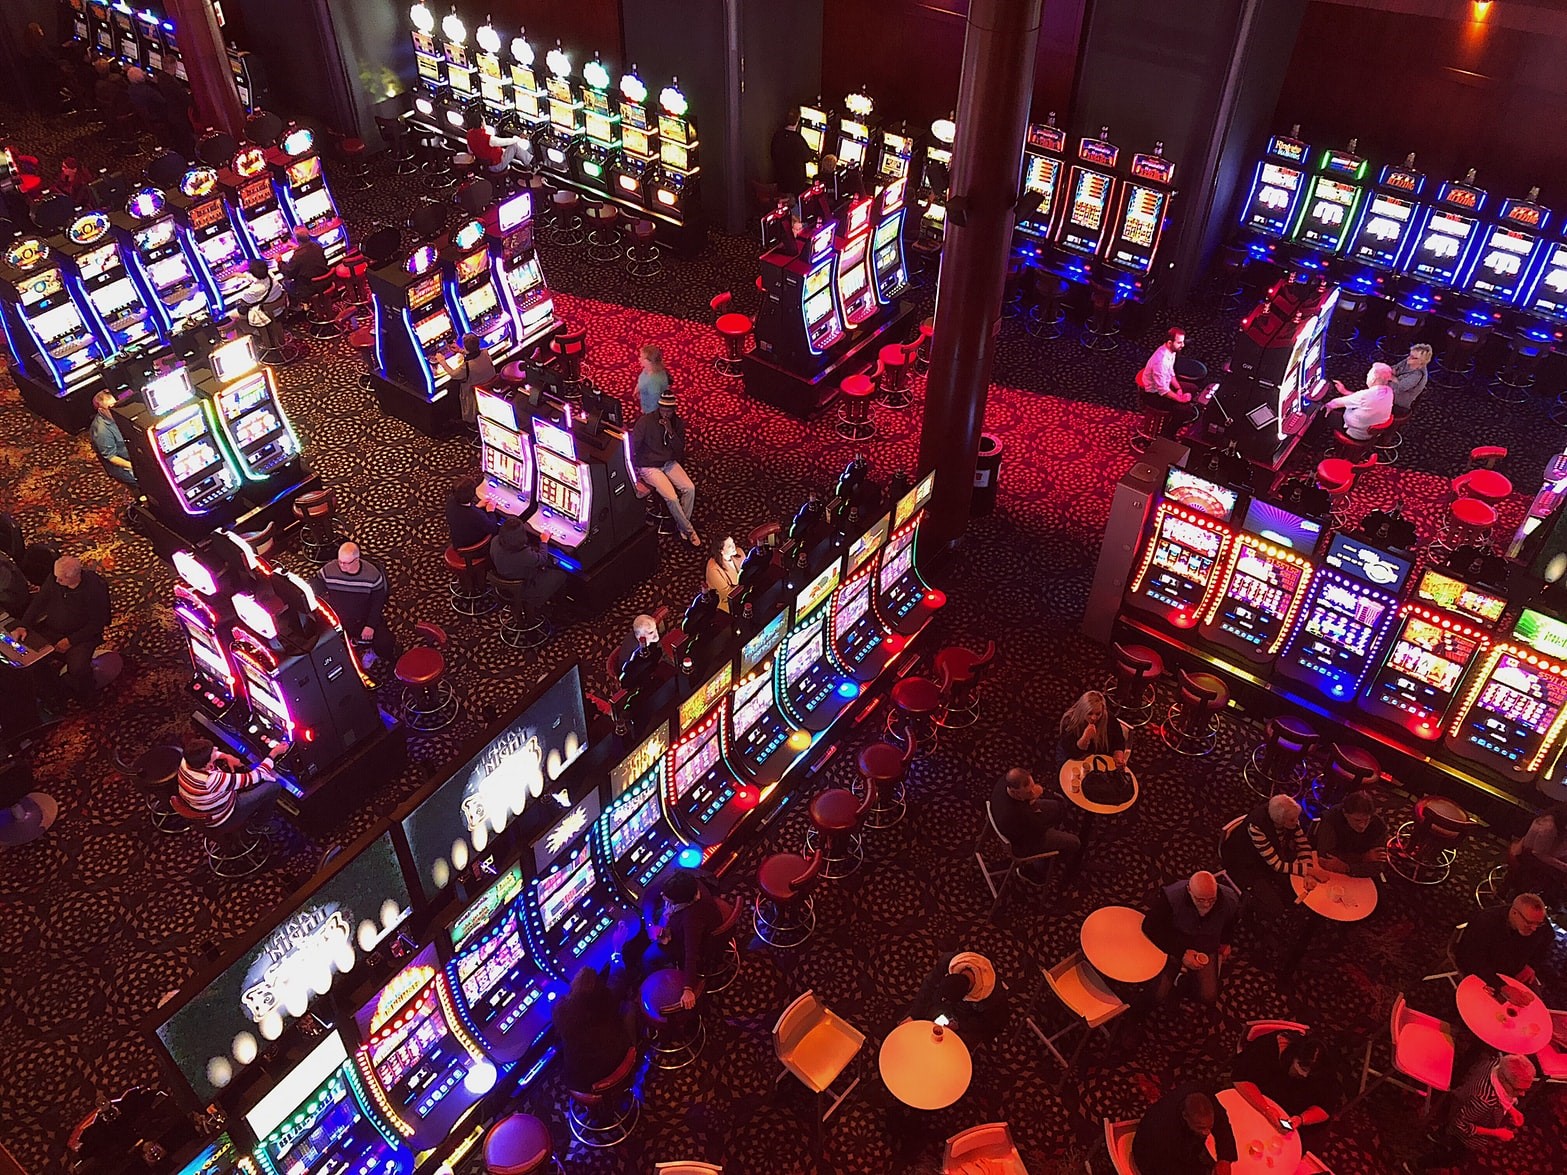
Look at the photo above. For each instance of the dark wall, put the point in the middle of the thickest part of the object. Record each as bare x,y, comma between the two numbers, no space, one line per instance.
1459,93
584,27
783,68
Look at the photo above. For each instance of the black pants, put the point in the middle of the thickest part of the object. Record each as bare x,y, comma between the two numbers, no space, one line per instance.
76,680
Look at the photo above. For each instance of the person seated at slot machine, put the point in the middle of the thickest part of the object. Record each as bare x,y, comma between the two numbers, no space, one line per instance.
356,589
1266,849
70,612
108,442
1193,922
723,570
152,109
653,379
1538,859
1029,820
644,634
15,592
593,1030
518,553
687,910
1365,409
1163,375
1409,377
470,370
1506,940
495,153
306,263
74,182
260,303
469,518
1352,838
1088,728
658,442
219,788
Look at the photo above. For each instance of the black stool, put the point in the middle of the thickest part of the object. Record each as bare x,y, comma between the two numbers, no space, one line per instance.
1403,324
1424,848
155,772
1278,762
522,626
644,259
1102,330
1349,769
1464,340
235,848
606,1114
676,1033
1344,329
1191,725
604,233
1154,413
1133,686
567,228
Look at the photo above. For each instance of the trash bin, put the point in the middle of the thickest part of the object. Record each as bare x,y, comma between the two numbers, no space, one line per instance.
986,470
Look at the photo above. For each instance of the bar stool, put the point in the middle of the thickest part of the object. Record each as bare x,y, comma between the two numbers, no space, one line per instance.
1483,480
1390,436
606,1114
604,244
1349,769
911,719
784,910
1277,763
520,1144
720,976
155,774
522,626
1154,412
676,1034
1352,449
1102,329
1470,522
644,259
837,818
469,588
234,848
570,349
894,377
317,514
1424,848
1132,688
1403,324
1464,340
429,701
400,153
1336,478
854,408
926,268
1526,351
567,230
1047,314
1491,889
1344,329
959,673
353,274
321,310
355,171
1191,725
922,358
883,768
735,332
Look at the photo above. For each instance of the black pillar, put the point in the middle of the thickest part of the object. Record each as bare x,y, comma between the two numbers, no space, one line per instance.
992,118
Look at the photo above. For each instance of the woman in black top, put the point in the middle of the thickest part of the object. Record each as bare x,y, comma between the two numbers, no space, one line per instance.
1087,728
1285,1076
469,523
593,1031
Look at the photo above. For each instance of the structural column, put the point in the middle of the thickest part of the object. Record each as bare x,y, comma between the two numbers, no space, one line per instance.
992,119
207,65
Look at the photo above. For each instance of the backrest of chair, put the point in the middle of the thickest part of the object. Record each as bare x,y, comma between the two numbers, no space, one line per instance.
992,1140
1399,1017
1199,693
1256,1028
687,1167
720,302
990,816
431,633
986,658
795,1023
1118,1144
812,873
509,590
1054,975
621,1074
1224,833
868,801
477,553
725,928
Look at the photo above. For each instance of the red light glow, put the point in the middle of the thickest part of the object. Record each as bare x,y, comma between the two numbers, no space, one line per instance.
746,797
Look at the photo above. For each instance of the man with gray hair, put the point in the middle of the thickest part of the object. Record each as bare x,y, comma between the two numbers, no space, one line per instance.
1505,940
1193,922
356,589
1367,408
1268,848
644,632
1409,377
1484,1112
70,612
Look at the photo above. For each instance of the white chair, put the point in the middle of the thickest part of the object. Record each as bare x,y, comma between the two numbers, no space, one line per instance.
1422,1048
1222,876
1118,1143
687,1168
816,1045
1256,1028
1085,994
1310,1163
989,1148
1452,974
1552,1059
998,889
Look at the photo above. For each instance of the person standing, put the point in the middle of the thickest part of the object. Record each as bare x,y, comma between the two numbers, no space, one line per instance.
1030,821
70,612
180,103
1371,406
356,589
109,443
790,154
653,379
1409,377
1161,376
658,442
471,370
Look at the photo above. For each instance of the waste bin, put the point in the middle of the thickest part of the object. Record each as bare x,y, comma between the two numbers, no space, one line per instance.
986,470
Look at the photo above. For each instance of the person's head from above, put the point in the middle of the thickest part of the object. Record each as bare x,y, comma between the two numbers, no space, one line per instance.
645,629
465,491
1419,356
1021,785
257,269
1203,888
727,549
136,75
472,344
1359,808
666,407
1516,1074
1301,1055
1090,708
516,535
104,403
68,571
792,118
198,752
1379,376
348,557
651,356
1175,339
1197,1113
101,66
1526,915
977,973
1284,812
474,119
829,164
70,167
586,980
302,236
681,890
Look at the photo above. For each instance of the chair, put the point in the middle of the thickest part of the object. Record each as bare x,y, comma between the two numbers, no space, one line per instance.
911,719
784,911
1309,1163
522,626
1457,363
644,260
1526,352
735,332
720,975
1046,315
317,514
1256,1028
1422,1048
1344,329
1453,975
883,769
1118,1145
854,409
1491,889
155,774
990,1145
1403,324
567,229
1390,436
1350,768
816,1045
1014,862
520,1144
1132,688
352,165
429,701
655,513
960,673
321,312
1469,523
894,377
1277,763
922,355
677,1034
1084,993
604,245
687,1167
1153,416
570,349
1222,876
606,1114
469,588
1552,1059
1102,330
1424,848
837,820
234,849
1191,725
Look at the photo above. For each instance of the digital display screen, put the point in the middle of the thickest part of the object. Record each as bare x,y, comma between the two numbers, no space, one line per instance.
807,646
58,321
1380,569
1502,264
1138,234
1548,294
1424,666
1089,195
694,758
897,561
704,699
1281,526
97,262
218,1157
191,461
760,647
1199,494
563,889
45,285
868,544
475,265
1442,247
632,821
315,206
1261,589
433,329
1542,633
555,439
753,700
170,272
914,499
254,193
1383,228
1328,207
302,171
298,1084
510,213
1182,561
853,603
1041,175
816,592
1456,596
482,911
1515,708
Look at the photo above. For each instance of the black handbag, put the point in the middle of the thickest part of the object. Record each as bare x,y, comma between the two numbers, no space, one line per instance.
1104,783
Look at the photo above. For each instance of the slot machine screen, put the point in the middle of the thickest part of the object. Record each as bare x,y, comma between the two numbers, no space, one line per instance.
434,328
1382,231
1090,195
1140,227
760,647
806,648
218,1157
558,484
1542,633
1180,562
562,890
117,296
1456,596
705,698
632,821
57,321
96,262
694,759
424,291
1043,173
649,753
171,271
263,691
1281,526
1548,295
497,437
1257,598
314,206
1502,264
854,603
270,226
487,939
185,425
1327,215
304,170
154,235
255,193
897,561
1516,707
472,266
505,467
555,439
256,427
914,499
1275,192
203,648
297,1085
815,593
1381,569
191,460
481,912
206,215
478,303
1199,494
1441,248
1424,665
866,545
855,280
510,213
45,285
752,700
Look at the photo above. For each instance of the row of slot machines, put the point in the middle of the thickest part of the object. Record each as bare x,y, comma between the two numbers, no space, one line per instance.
855,138
534,858
95,306
611,139
483,278
1348,626
1444,244
146,37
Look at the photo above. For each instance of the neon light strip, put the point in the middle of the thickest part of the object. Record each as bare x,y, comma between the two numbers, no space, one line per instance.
204,275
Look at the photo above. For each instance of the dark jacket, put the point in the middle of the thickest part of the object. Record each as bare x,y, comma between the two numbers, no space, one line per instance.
306,263
1066,742
1261,1063
1174,926
654,444
79,614
1489,947
15,591
593,1036
359,600
1166,1145
148,104
790,154
468,523
1021,822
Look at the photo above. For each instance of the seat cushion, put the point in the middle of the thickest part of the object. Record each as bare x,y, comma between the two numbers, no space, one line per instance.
1472,512
157,765
858,385
661,991
1294,729
420,667
735,325
1213,686
776,876
881,762
1487,484
1355,761
957,663
835,810
917,695
892,355
518,1144
823,1053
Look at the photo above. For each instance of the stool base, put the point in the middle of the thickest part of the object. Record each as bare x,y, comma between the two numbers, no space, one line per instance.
776,930
1134,712
1403,860
1263,784
839,860
612,1131
683,1050
1492,888
237,855
891,805
1194,744
440,713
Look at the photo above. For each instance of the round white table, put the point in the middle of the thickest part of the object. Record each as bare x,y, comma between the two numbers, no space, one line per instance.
1114,942
1340,899
1261,1147
1071,780
1504,1026
922,1068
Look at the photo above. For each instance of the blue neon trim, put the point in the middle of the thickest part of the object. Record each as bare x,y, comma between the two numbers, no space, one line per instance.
10,341
204,275
376,312
106,337
154,304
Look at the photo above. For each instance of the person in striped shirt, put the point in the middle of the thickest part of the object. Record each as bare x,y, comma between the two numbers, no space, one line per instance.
218,788
1484,1112
1268,848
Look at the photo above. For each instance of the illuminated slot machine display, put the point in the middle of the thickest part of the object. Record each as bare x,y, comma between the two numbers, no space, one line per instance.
1044,154
600,130
1545,293
1178,575
219,1156
313,1120
634,843
416,341
1513,713
1447,233
57,352
529,305
493,77
197,600
181,462
852,279
80,29
673,186
257,208
1384,233
1444,630
632,167
813,129
759,739
102,27
887,261
1278,372
499,993
527,96
799,322
255,427
1348,611
904,601
854,131
1508,252
564,489
174,60
1277,188
175,270
200,205
149,26
893,153
416,1059
702,794
1091,189
131,318
309,199
127,38
429,62
1332,201
812,689
859,642
475,293
936,178
1263,582
558,142
506,454
1140,215
249,78
461,92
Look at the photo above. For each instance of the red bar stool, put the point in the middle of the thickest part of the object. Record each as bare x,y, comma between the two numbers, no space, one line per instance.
567,229
922,360
355,169
1132,690
569,348
1350,448
1278,762
234,849
317,514
1470,522
470,584
644,260
1483,481
911,720
321,313
1424,848
722,973
353,274
854,409
735,331
1390,436
429,701
1154,413
676,1034
1349,769
1336,478
837,818
959,674
606,1114
155,774
894,377
604,243
884,770
520,1144
1191,725
784,910
1102,330
656,514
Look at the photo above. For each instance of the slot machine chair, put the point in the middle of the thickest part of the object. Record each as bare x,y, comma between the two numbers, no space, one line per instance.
1349,769
1425,846
1526,351
1155,413
1390,437
566,227
523,625
469,588
317,515
1132,690
520,1144
784,909
722,970
1456,364
353,164
960,672
155,774
1230,276
734,332
323,316
1344,328
1102,328
604,244
894,377
606,1114
912,719
1399,334
657,514
644,260
400,147
675,1034
234,849
569,349
429,701
1278,763
854,410
1470,522
927,332
883,769
1191,725
1047,313
838,819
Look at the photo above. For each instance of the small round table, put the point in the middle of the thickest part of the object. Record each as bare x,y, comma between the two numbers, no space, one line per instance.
1501,1025
1071,779
1342,899
1261,1147
923,1069
1114,942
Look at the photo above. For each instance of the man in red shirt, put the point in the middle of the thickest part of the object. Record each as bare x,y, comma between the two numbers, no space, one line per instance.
495,153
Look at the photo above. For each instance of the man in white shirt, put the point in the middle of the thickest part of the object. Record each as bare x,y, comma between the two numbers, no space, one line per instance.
1367,408
1159,378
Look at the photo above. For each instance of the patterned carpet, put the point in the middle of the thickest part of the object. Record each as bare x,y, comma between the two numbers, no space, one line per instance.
102,917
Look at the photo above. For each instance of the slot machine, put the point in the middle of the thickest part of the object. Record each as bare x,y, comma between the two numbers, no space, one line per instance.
102,28
894,151
936,178
416,341
1438,636
1332,201
1446,233
813,129
1084,221
129,317
703,796
1508,252
175,269
201,610
429,62
888,265
1187,544
583,489
494,79
634,843
314,1119
759,739
509,226
256,207
812,689
173,437
244,395
127,38
1044,159
173,58
201,208
1544,297
475,292
306,195
416,1058
853,143
859,643
501,998
526,94
632,167
460,95
1384,233
600,130
673,186
75,15
149,26
1513,712
1263,582
852,274
506,453
57,353
1347,612
1277,188
1141,211
558,141
904,601
799,322
249,78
